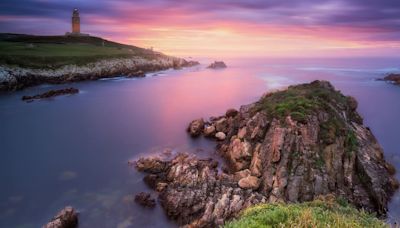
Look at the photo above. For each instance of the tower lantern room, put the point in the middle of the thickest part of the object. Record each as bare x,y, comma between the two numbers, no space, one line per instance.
76,22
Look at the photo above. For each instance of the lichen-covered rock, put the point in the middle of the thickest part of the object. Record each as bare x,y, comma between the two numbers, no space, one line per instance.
66,218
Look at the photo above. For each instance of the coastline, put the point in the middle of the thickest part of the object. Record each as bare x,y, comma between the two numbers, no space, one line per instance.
16,78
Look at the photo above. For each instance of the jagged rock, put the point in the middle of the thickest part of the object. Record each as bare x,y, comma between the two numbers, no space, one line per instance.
220,136
290,146
196,127
66,218
145,200
51,93
197,196
249,182
217,65
209,131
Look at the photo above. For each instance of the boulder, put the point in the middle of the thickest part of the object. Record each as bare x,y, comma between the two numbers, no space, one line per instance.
66,218
249,182
220,136
231,112
196,127
209,131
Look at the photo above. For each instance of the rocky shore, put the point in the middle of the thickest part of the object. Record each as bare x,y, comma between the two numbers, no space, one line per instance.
66,218
393,78
15,78
290,146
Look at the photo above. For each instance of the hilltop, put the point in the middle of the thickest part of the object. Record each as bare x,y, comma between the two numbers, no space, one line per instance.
27,60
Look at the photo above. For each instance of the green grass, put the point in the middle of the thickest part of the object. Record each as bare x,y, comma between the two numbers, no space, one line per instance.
299,101
57,51
318,213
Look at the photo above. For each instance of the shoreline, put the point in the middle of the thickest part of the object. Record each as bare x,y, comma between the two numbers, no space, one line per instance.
13,78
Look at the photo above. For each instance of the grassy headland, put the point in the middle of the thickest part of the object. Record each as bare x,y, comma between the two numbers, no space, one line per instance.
56,51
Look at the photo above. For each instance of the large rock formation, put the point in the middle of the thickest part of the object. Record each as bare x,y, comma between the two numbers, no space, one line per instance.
290,146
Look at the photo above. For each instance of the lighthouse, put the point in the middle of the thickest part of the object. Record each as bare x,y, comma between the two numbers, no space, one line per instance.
76,25
76,22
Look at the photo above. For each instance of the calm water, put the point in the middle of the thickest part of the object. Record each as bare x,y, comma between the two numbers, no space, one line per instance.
73,150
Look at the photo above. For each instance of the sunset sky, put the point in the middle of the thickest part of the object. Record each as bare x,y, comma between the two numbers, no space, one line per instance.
297,28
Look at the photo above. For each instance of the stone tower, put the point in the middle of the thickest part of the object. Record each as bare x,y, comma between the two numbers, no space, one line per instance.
76,22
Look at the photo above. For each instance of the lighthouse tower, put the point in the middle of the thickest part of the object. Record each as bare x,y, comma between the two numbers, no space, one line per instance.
76,22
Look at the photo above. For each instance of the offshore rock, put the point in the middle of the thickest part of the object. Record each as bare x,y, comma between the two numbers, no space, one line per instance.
196,127
217,65
51,93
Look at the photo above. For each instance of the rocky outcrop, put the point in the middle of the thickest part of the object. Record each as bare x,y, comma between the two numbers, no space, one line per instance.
194,193
290,146
217,65
14,77
51,93
145,200
393,78
66,218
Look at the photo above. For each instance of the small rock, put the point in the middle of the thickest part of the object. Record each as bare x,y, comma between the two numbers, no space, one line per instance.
66,218
51,93
145,200
220,136
242,174
161,186
217,65
231,112
209,131
249,182
196,127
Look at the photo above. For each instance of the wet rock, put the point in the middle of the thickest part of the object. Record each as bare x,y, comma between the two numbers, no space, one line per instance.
220,136
150,165
66,218
209,131
196,127
217,65
249,182
145,200
51,93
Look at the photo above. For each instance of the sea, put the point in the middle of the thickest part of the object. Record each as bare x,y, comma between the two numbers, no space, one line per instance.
75,149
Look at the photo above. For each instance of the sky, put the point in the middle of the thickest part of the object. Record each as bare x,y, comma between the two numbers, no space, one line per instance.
222,28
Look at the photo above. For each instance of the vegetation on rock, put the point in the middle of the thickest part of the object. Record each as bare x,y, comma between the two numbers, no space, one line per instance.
317,213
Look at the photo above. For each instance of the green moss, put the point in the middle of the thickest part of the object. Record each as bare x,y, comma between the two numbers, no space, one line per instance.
300,101
319,213
351,142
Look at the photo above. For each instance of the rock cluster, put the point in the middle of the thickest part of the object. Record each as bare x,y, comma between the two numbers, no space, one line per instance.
51,93
66,218
290,146
193,192
217,65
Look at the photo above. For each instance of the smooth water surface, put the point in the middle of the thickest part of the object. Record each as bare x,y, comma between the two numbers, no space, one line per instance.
74,150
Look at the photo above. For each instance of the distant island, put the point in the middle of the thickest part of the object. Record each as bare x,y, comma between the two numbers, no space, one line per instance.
393,78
